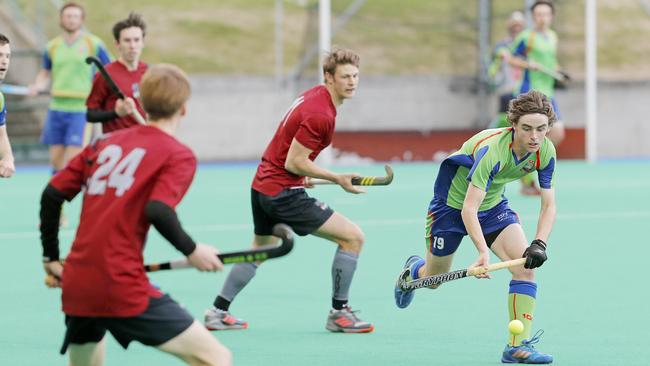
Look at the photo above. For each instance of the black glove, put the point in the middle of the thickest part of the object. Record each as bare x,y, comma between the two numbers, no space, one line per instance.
535,254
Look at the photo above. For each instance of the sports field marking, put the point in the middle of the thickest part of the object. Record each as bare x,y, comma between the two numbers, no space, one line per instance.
387,222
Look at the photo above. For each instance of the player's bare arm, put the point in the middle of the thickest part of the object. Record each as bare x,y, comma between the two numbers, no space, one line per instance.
298,163
469,214
519,62
546,215
41,83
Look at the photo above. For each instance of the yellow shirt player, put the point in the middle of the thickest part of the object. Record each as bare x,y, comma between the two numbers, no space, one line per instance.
64,67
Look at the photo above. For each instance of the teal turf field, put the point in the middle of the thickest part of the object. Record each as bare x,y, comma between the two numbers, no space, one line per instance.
591,298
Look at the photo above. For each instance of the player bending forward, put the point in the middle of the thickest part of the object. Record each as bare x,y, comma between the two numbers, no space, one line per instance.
132,178
468,199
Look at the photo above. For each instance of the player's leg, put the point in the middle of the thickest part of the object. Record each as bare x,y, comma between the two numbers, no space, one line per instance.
444,231
218,316
87,354
349,238
196,346
557,133
501,119
164,324
57,157
53,135
529,185
84,341
75,130
57,162
510,244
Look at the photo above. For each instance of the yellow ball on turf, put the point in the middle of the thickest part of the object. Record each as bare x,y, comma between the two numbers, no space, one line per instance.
516,327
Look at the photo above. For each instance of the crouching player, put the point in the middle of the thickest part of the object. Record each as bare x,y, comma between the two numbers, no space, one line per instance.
468,199
131,178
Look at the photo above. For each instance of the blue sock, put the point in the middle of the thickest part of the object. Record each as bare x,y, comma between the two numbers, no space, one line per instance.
415,269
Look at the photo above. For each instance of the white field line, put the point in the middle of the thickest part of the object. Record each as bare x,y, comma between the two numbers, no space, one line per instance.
363,223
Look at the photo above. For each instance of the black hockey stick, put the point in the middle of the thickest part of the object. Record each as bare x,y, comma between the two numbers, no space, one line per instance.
92,60
254,255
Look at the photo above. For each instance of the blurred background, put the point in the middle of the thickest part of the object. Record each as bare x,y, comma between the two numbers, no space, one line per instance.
423,89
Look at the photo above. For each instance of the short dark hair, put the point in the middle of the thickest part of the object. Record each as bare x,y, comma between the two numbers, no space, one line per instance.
3,40
134,20
542,2
72,4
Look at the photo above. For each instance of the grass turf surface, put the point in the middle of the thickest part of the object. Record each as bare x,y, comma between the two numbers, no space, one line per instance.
590,294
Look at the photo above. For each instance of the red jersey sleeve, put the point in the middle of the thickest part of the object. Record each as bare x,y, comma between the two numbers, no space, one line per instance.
313,130
175,178
72,178
98,93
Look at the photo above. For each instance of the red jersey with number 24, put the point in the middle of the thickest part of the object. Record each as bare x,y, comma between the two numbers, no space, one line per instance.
120,173
311,121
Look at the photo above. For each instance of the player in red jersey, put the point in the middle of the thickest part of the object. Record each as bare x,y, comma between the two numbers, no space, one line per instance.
278,195
132,179
103,105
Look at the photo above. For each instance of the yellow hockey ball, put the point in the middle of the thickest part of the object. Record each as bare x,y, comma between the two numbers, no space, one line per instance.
516,327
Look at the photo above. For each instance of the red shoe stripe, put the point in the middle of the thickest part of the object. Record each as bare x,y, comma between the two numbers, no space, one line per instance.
343,322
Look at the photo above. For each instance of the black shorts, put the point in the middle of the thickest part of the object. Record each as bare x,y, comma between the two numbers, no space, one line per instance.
163,320
504,102
293,207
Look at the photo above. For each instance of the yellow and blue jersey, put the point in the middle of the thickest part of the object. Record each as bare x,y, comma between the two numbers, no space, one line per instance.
3,110
71,75
541,48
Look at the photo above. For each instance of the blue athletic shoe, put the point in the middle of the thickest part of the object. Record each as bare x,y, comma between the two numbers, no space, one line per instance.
404,298
526,352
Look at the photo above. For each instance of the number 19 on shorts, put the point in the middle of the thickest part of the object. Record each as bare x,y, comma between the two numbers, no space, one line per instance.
437,242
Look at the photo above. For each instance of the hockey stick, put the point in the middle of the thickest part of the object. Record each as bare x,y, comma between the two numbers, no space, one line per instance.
12,89
560,76
282,231
451,276
255,255
111,84
362,181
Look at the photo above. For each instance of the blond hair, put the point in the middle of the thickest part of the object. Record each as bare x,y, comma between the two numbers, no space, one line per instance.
530,103
339,56
163,91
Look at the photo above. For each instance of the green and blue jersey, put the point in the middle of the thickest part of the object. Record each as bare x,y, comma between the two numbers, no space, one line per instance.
488,162
70,74
541,48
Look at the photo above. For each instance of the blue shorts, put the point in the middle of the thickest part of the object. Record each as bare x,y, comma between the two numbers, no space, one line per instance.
445,228
556,109
64,128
